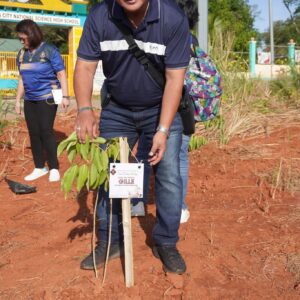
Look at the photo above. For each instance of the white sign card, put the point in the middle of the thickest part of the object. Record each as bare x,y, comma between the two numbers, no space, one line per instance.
57,96
126,180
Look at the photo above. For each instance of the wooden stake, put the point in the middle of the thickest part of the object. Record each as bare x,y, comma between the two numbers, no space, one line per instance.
126,217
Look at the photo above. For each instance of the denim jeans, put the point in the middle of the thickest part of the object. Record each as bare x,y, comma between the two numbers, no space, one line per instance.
142,155
184,166
118,121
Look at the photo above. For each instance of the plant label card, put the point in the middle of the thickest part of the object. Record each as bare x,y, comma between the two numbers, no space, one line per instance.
57,96
126,180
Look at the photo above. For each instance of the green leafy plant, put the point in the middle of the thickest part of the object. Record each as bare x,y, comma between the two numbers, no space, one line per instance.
196,142
89,162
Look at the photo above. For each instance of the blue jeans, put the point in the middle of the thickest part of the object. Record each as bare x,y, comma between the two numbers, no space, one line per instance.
184,166
142,155
118,121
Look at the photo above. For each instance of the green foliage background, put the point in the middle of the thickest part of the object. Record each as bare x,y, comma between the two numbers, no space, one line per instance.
234,16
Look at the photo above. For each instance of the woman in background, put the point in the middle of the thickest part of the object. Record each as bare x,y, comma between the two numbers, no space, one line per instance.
41,70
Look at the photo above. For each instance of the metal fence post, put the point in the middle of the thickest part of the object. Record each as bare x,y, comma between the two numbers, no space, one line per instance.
291,53
252,57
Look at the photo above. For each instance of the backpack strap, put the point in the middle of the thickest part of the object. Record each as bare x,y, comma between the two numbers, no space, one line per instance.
141,56
194,43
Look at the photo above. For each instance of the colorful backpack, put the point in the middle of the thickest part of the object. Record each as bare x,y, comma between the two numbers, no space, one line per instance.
203,82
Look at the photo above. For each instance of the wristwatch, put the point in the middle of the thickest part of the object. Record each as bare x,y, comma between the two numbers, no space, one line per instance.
163,129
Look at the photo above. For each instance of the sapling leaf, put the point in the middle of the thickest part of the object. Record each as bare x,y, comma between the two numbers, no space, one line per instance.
99,140
61,147
64,182
68,179
106,184
84,151
92,152
87,183
102,177
72,136
82,177
115,152
72,143
97,159
104,159
93,175
78,148
65,143
73,172
87,139
72,153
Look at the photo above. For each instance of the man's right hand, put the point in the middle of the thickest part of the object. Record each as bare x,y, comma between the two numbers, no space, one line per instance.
86,124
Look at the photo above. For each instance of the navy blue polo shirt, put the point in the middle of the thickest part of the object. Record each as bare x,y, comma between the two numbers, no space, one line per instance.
38,71
163,35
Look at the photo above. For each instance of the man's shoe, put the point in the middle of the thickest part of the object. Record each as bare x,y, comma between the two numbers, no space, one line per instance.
100,256
185,215
171,259
36,173
138,210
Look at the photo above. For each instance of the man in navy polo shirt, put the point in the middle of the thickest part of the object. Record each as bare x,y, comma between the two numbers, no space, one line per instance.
138,106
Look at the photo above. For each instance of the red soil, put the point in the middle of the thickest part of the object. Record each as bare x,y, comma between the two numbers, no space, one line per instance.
241,242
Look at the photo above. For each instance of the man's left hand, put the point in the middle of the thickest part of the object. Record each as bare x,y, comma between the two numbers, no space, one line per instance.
158,149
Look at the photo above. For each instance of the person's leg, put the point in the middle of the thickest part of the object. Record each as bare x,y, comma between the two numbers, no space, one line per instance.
184,166
46,119
114,122
168,198
168,189
139,204
31,116
184,173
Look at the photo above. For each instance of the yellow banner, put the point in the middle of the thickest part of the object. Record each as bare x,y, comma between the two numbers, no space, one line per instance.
52,5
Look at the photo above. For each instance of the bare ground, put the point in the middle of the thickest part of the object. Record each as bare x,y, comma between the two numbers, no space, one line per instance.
241,242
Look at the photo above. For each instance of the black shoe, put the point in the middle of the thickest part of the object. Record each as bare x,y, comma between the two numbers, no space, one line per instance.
171,259
100,256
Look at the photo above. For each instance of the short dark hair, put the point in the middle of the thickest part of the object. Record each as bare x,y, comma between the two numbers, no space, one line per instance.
190,9
32,30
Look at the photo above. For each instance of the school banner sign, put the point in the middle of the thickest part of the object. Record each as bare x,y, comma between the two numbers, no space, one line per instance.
40,18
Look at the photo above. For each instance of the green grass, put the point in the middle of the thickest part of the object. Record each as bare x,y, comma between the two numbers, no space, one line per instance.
5,108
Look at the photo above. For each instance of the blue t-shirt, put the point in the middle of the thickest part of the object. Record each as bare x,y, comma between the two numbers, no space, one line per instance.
38,71
163,35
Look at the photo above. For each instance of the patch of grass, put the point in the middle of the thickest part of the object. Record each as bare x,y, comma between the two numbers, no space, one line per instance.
293,266
248,104
286,89
286,177
197,142
262,106
5,108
